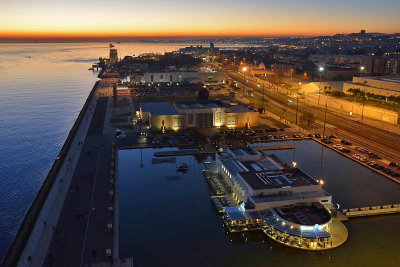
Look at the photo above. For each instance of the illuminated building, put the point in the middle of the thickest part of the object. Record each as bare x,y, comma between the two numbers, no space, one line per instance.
288,205
384,85
113,56
182,115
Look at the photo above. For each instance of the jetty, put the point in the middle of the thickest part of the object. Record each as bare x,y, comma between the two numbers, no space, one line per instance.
274,147
185,152
372,210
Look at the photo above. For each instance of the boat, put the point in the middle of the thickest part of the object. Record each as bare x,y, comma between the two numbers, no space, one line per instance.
182,167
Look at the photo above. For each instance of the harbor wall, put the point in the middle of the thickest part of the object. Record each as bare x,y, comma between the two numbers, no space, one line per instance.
30,221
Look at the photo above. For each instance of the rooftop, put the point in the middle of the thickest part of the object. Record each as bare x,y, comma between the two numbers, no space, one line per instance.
260,180
239,109
196,105
272,220
159,108
291,196
314,213
235,213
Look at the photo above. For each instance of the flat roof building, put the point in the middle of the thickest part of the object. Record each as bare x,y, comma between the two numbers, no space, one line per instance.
199,114
289,204
384,85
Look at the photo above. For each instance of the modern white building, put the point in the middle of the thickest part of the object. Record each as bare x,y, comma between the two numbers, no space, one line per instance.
383,85
288,205
179,77
262,182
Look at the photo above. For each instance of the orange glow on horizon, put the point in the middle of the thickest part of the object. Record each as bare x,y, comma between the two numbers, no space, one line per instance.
199,34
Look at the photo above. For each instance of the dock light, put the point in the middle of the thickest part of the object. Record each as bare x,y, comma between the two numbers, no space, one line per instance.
294,164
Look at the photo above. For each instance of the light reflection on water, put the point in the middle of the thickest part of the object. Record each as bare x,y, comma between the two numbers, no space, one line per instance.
173,223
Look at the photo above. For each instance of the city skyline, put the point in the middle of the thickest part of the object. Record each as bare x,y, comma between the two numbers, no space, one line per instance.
127,19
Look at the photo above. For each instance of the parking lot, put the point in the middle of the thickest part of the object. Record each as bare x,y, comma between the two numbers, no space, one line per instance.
363,156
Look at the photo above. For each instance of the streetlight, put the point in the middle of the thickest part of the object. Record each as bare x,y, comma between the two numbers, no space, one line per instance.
244,69
297,106
363,104
362,68
327,91
263,99
321,70
294,164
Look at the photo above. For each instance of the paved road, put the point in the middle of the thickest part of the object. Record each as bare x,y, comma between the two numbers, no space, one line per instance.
375,138
81,235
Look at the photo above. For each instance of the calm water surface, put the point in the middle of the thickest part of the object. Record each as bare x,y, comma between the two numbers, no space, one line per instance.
40,98
167,222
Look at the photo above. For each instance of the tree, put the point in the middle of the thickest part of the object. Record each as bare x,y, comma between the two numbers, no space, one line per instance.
309,117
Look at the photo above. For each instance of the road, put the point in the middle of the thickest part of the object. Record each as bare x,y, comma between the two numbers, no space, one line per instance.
387,143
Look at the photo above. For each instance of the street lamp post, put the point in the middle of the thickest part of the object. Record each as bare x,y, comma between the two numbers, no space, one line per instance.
362,68
363,104
297,106
327,91
321,69
263,99
244,69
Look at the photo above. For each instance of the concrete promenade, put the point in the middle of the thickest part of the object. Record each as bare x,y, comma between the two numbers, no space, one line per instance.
35,251
82,234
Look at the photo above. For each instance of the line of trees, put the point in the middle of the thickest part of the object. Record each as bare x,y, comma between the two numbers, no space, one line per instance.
370,96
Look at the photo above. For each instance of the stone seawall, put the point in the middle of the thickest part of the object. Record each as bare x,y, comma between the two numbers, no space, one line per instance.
61,164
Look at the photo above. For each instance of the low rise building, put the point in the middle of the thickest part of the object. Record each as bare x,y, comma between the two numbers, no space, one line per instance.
384,85
178,77
262,182
284,68
191,114
288,205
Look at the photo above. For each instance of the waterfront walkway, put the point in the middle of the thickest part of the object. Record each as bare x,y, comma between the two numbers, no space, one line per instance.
35,251
82,235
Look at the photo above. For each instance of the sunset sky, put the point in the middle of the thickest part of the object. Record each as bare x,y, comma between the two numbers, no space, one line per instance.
162,18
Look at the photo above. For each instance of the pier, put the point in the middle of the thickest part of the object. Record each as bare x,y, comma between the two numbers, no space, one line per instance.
372,210
274,147
186,152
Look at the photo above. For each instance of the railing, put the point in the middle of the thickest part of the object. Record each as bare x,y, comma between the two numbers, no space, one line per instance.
29,221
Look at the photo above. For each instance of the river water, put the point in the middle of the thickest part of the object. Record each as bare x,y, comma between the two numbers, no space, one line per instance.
42,89
172,222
